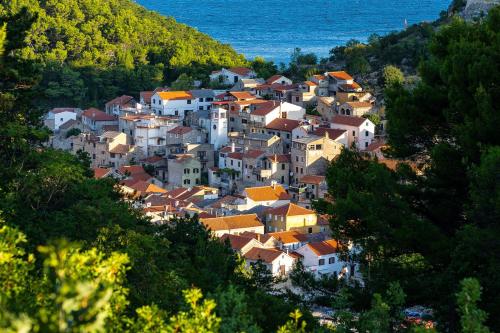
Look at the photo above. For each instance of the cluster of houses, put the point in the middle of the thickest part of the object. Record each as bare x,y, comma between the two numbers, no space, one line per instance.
247,160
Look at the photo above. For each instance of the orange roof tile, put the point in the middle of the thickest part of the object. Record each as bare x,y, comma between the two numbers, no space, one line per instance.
281,124
290,209
232,222
240,70
341,75
237,242
289,237
98,115
273,79
325,247
267,193
312,179
348,120
266,255
101,172
332,133
175,95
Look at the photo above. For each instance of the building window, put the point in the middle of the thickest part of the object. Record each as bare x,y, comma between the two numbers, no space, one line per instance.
321,262
215,127
366,144
187,181
196,170
331,260
189,101
200,108
186,171
310,230
366,133
296,158
282,166
319,147
231,162
201,99
353,133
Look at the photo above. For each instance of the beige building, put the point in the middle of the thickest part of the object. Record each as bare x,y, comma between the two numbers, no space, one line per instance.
184,170
357,109
107,150
292,217
312,154
326,108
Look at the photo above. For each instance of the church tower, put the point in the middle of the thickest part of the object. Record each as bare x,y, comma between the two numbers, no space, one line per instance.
218,127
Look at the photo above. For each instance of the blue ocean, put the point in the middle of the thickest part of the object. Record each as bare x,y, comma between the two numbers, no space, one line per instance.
272,29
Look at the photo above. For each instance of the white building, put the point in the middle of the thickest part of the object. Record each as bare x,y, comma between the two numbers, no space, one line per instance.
360,131
277,262
232,75
269,196
218,128
323,258
173,103
279,79
95,120
58,116
203,98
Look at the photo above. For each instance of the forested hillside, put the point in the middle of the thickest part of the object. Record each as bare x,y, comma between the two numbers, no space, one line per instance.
90,51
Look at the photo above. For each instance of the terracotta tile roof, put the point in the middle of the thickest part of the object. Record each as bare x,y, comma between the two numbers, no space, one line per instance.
283,87
282,124
283,158
289,237
310,83
68,124
237,242
131,169
350,86
260,237
242,95
267,193
146,96
232,222
312,179
123,100
146,187
181,130
224,200
319,77
101,172
97,115
340,75
175,95
152,159
240,70
253,153
236,156
177,192
121,149
266,255
324,248
332,133
264,109
290,209
375,145
359,104
273,78
348,120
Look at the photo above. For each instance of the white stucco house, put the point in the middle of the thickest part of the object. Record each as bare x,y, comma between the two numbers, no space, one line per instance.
270,196
58,116
360,131
279,263
173,103
231,76
323,258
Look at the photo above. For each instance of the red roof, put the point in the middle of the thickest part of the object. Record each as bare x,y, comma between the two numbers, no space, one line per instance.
312,179
236,156
97,115
332,133
310,83
146,96
121,101
253,153
282,124
180,130
101,172
290,209
59,110
240,70
273,79
152,159
266,255
131,169
341,75
348,120
264,109
324,248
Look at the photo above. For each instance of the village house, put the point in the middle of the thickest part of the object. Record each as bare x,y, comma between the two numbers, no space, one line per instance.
173,103
337,135
327,108
305,95
268,196
322,84
145,97
204,152
123,105
181,135
310,187
269,143
241,244
233,225
204,98
247,85
157,126
268,170
363,96
283,129
322,258
340,81
251,165
290,240
276,261
96,120
357,109
183,170
360,131
291,217
279,79
231,76
311,155
58,116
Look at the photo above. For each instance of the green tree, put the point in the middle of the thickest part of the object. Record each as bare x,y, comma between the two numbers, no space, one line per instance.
183,82
472,319
264,69
392,76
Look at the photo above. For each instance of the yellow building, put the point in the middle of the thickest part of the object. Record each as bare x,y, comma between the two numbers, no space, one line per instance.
292,217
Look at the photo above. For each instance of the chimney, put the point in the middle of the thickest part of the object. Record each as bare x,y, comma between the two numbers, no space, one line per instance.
233,148
327,135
